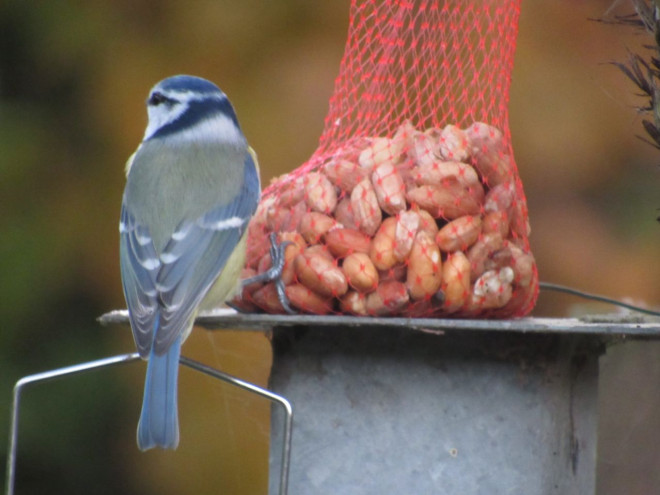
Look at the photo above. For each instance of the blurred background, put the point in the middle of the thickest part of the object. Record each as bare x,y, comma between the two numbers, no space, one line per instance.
73,81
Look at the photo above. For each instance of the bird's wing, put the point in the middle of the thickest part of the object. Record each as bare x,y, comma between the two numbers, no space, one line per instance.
139,267
170,285
195,256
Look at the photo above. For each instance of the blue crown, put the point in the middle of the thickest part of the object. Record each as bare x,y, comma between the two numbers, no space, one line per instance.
188,83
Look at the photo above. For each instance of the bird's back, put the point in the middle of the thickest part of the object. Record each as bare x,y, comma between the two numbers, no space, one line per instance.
172,179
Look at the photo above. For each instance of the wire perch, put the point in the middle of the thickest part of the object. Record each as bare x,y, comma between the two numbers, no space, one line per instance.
129,358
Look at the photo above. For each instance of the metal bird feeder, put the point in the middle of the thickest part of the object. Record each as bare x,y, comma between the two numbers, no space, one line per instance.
399,405
438,406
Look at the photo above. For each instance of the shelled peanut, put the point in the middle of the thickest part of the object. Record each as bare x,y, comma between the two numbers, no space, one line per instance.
425,223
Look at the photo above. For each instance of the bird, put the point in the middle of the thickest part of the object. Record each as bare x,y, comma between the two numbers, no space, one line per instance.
191,188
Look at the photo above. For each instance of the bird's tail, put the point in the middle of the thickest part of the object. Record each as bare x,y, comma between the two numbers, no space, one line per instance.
159,422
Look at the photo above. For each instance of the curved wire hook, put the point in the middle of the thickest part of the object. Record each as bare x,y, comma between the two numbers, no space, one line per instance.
129,358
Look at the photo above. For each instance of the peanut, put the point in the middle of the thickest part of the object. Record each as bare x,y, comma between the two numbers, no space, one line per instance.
365,207
520,228
290,252
408,172
422,149
494,168
342,242
277,218
523,265
389,188
293,237
481,251
496,221
489,154
493,288
424,268
484,137
360,272
307,300
266,298
499,259
449,202
500,197
258,243
259,218
382,245
291,192
455,281
453,144
353,302
525,285
404,136
381,150
320,250
314,225
344,174
320,194
405,231
427,223
320,274
295,215
388,299
344,213
460,233
437,173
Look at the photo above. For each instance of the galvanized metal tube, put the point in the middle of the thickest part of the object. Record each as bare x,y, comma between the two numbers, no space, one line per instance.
389,410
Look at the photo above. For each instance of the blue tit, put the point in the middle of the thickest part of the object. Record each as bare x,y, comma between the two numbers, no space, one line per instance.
191,189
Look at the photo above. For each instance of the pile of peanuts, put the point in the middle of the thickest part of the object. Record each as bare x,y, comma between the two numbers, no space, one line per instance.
425,223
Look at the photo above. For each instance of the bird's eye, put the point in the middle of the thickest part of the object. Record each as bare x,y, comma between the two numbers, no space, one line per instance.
157,98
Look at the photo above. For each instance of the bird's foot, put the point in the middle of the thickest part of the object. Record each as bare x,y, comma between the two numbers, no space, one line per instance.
274,273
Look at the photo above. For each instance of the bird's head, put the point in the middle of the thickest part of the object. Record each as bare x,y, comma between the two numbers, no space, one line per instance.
190,108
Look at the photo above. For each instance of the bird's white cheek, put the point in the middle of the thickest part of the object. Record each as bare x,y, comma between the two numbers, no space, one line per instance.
160,116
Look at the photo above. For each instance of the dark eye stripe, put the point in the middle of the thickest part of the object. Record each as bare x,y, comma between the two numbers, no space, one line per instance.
195,112
158,98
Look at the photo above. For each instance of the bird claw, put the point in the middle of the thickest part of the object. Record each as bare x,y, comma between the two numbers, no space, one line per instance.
274,273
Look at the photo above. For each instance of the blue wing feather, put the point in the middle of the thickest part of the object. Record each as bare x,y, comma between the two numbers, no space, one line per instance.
203,254
138,279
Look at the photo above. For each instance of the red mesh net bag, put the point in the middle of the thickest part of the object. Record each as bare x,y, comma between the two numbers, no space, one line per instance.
412,204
